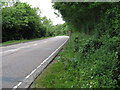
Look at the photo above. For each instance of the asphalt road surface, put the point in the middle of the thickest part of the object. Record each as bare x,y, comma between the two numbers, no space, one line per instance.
19,60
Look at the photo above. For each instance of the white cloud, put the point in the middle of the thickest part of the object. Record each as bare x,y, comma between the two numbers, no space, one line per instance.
46,8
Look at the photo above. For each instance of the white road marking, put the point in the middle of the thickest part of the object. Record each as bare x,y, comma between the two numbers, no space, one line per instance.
18,84
15,87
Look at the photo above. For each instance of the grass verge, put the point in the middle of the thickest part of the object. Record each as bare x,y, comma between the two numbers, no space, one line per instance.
20,41
45,79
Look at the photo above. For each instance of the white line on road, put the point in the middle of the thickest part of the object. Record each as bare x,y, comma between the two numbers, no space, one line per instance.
15,87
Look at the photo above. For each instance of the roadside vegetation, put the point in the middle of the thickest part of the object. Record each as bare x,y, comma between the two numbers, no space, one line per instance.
91,58
21,22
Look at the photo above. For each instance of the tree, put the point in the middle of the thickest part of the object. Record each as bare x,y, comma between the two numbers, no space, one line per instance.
20,21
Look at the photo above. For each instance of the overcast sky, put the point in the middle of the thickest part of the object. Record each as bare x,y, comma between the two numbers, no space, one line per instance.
46,8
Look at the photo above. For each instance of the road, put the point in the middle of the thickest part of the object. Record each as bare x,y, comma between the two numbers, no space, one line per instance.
19,60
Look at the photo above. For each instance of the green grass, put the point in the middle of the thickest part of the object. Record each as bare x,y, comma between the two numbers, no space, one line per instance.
46,79
20,41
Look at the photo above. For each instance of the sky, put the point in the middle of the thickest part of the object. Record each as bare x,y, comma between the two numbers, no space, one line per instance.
46,8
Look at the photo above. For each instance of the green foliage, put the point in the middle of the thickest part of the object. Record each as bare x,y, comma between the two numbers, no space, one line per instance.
94,51
47,23
54,30
78,68
20,21
60,29
85,15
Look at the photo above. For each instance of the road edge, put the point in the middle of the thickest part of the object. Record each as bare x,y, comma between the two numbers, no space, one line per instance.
36,72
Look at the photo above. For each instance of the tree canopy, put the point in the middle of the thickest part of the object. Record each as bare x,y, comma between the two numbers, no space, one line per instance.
84,15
